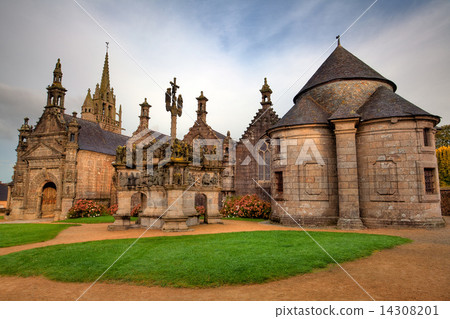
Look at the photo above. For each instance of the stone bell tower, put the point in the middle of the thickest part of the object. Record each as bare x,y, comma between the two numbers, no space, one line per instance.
144,117
201,110
56,92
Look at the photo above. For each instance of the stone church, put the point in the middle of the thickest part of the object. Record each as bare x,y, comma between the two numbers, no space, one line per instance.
66,158
350,152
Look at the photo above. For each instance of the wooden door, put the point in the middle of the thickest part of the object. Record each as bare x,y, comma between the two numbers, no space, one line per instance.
48,200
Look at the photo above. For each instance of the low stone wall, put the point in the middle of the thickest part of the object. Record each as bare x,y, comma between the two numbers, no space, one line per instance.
445,201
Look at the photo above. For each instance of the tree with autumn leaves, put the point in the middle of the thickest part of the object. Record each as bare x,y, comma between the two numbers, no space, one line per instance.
443,158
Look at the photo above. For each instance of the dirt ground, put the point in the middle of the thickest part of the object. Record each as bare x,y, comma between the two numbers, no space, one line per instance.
416,271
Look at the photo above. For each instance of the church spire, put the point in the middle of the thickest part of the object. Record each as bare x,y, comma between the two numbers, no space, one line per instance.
104,85
101,108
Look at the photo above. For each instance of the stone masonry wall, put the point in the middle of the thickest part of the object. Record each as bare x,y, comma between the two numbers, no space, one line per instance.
247,171
94,176
391,162
309,181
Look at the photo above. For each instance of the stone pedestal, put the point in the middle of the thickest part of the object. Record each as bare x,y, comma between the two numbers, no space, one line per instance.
175,224
212,215
156,206
347,171
174,219
121,222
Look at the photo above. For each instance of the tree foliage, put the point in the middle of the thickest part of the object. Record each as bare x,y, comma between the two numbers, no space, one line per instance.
443,136
443,157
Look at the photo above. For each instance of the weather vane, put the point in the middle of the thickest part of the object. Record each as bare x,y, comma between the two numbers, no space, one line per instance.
107,46
338,37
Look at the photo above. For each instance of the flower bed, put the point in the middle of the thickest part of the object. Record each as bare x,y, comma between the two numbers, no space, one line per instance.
89,208
247,206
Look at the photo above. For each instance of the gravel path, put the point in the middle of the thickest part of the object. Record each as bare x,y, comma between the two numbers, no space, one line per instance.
416,271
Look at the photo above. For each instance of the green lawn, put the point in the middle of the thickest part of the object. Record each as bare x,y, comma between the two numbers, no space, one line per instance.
196,260
20,234
92,220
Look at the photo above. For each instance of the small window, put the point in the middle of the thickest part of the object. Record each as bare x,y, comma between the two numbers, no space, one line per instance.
72,137
426,137
277,142
430,187
279,181
264,167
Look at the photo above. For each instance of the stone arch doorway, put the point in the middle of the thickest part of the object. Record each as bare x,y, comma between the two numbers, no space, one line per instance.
202,201
48,202
138,203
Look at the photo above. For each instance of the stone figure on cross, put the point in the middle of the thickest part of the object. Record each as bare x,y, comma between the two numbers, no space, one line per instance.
174,105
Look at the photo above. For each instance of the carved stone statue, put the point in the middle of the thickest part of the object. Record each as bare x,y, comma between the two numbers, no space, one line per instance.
206,180
215,179
121,154
123,179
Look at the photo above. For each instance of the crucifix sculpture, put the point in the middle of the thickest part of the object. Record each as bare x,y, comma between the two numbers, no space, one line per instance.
174,105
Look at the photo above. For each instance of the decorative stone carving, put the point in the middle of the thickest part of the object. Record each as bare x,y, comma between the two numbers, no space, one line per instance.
215,179
206,180
121,152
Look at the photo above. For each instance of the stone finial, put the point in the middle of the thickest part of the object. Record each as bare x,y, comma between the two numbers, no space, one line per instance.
74,114
201,110
266,93
338,37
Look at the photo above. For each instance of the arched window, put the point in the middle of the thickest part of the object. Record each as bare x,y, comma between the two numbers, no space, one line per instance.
264,168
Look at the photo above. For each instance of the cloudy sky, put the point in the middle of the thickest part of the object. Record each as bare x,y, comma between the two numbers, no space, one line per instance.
224,48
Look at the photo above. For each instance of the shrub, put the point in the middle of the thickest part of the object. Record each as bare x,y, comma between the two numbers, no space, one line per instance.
200,209
247,206
111,210
136,210
443,158
86,208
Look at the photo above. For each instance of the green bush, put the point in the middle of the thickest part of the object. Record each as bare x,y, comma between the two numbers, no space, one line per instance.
86,208
247,206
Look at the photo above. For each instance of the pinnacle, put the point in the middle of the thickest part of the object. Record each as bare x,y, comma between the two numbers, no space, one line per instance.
104,86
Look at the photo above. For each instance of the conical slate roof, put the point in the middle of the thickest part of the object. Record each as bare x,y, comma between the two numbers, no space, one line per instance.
384,103
306,111
342,65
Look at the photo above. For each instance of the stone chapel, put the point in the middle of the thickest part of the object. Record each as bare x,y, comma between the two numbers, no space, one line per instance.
353,153
65,158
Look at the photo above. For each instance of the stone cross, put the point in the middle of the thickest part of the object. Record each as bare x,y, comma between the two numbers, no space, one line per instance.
174,105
